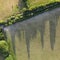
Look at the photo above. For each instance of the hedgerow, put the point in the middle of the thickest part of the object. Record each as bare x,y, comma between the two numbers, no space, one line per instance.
28,13
4,51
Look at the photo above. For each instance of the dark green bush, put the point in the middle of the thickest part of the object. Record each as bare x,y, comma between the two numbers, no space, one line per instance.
4,51
9,57
1,34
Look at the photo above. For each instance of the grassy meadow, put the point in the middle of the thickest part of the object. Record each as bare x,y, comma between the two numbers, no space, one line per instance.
7,8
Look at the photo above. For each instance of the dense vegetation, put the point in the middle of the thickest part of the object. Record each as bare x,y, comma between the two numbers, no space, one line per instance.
36,3
4,51
30,10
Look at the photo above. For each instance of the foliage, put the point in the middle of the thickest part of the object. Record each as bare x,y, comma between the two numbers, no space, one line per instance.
36,3
11,51
1,34
4,51
9,57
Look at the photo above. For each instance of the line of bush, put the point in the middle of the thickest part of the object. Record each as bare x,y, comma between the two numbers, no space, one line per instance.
30,13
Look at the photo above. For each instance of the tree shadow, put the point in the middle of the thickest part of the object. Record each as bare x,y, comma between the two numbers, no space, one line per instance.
31,31
27,44
22,4
42,30
53,24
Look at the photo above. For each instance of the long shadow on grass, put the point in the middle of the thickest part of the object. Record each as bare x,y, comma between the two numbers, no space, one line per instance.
13,40
53,25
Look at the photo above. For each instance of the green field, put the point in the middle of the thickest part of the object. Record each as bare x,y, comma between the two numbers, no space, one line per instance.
36,3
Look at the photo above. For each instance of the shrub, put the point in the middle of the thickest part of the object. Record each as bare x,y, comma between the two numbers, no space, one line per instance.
4,51
1,34
9,57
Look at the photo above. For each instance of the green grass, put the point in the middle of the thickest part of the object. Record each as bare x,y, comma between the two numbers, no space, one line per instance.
36,3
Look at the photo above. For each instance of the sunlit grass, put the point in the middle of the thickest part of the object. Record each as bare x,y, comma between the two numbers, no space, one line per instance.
36,3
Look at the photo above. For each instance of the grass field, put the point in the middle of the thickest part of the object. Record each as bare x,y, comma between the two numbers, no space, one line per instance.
36,3
7,8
